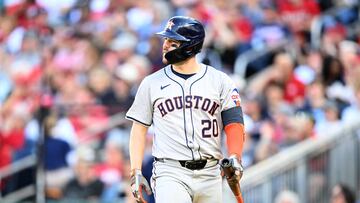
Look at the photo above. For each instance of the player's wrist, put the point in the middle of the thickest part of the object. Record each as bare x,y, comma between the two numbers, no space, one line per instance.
237,157
135,171
236,160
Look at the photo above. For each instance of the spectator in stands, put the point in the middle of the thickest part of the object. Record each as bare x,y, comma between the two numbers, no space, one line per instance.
11,139
302,127
317,184
298,14
253,109
294,91
333,71
287,196
315,99
264,150
85,186
123,46
269,33
56,151
100,85
332,120
283,126
273,96
243,29
309,65
281,71
334,33
348,55
15,112
84,110
254,10
221,31
110,171
266,146
347,11
352,112
341,193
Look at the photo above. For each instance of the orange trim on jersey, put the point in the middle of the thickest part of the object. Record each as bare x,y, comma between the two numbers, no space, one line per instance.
235,138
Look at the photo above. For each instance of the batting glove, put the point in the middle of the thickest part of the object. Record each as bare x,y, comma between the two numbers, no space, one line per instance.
138,183
236,163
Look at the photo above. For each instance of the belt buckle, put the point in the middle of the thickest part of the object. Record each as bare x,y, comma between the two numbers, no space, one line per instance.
195,165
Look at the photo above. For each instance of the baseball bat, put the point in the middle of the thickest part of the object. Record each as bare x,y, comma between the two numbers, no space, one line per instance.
229,171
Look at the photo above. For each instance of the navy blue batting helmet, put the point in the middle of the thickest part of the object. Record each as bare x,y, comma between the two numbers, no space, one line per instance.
189,32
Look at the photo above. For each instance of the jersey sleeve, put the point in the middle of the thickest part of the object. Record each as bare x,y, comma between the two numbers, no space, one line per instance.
229,94
142,110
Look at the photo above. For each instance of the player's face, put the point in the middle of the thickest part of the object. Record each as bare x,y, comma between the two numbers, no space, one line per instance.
169,45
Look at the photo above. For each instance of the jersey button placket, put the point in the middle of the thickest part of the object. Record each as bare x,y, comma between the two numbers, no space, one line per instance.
190,142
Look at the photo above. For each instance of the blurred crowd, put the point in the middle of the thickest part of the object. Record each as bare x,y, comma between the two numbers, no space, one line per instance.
69,68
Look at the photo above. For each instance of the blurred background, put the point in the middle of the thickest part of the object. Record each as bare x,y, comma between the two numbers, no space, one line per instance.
69,70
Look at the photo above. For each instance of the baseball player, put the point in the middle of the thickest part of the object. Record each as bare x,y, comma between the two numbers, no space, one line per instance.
188,105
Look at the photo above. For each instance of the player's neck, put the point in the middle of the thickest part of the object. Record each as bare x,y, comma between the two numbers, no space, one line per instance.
188,66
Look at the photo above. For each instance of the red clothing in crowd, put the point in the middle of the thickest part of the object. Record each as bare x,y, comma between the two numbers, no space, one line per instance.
294,89
297,13
309,7
82,122
243,29
9,141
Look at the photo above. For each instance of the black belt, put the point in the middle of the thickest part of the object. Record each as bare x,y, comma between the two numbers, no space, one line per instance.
190,164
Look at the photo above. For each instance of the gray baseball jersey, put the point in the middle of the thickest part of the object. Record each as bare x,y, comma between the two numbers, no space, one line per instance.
185,114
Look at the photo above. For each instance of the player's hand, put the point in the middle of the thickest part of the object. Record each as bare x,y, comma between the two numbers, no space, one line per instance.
138,183
238,170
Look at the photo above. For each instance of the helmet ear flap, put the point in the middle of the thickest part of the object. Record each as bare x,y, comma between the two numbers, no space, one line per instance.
194,48
185,51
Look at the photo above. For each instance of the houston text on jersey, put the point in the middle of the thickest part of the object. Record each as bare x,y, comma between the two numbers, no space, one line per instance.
191,101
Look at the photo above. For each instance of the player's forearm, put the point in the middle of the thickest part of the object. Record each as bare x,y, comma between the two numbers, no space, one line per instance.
235,138
137,145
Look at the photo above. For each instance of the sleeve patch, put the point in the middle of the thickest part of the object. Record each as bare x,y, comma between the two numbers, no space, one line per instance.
236,97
